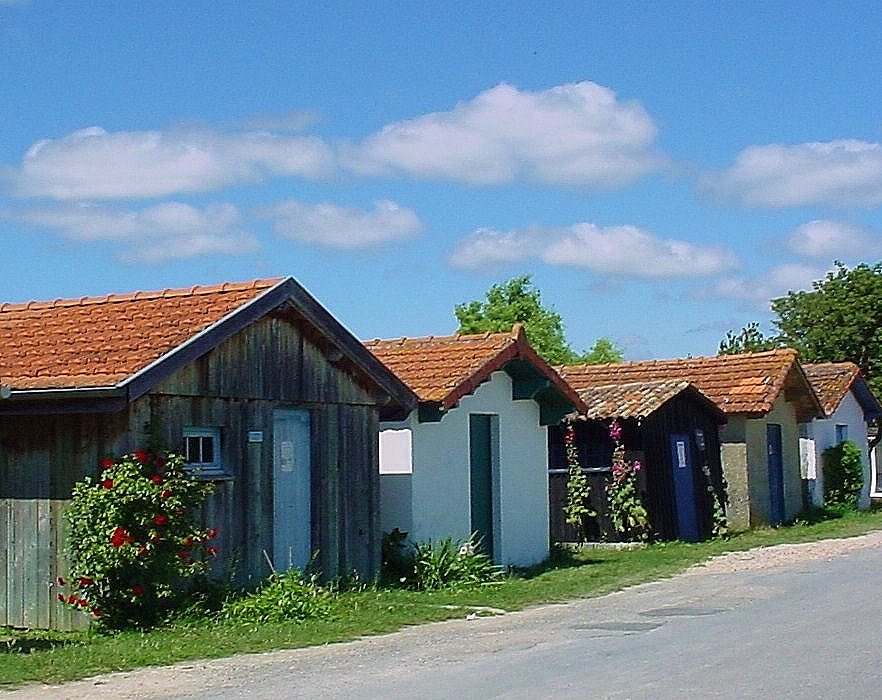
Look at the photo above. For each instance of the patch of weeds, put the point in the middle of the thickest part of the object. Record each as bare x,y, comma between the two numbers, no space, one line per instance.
285,596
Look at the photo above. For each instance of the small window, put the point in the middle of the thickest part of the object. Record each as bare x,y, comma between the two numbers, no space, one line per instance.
202,451
841,433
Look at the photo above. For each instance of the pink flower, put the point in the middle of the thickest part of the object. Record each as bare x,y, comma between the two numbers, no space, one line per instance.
212,533
97,612
61,581
137,590
84,581
141,456
107,484
166,494
107,463
156,479
160,519
211,551
615,430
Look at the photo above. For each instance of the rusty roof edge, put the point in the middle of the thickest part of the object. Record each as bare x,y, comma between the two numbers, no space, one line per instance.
518,346
482,374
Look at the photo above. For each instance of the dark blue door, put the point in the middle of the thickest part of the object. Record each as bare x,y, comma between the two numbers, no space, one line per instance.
776,474
684,489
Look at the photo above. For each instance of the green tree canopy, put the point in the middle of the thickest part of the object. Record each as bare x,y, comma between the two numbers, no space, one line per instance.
748,339
839,320
604,351
517,301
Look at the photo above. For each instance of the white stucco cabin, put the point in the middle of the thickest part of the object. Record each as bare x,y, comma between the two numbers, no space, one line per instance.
848,406
474,456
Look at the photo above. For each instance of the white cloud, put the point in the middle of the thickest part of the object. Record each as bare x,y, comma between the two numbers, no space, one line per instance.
153,235
344,227
93,164
760,289
843,172
834,240
614,250
573,134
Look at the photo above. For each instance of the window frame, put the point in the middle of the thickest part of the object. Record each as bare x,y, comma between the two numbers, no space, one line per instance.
205,470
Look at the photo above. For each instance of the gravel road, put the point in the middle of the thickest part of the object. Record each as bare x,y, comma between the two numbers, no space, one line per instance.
723,583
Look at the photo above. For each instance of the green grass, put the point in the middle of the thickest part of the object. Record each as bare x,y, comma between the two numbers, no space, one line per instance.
54,657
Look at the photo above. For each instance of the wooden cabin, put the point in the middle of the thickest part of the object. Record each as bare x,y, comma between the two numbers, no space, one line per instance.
765,397
672,429
278,405
849,406
473,456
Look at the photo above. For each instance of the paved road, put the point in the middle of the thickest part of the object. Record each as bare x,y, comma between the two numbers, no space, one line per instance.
803,630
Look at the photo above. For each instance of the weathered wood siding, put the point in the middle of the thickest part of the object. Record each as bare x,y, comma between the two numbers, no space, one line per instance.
41,457
274,363
648,442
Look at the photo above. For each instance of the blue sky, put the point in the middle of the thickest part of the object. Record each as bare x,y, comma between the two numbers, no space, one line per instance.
662,170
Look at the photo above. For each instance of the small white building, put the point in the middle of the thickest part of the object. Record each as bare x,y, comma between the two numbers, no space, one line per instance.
848,406
473,457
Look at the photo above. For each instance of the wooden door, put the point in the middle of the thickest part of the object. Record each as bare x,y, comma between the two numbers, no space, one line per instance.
292,514
684,489
777,511
481,478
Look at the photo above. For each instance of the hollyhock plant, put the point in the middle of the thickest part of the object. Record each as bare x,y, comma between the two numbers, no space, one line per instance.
625,504
578,504
124,540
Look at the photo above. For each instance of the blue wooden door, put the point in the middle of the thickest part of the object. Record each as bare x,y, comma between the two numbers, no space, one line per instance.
481,478
684,489
292,513
776,474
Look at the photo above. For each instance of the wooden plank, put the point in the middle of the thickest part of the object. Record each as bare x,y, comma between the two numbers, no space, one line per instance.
5,548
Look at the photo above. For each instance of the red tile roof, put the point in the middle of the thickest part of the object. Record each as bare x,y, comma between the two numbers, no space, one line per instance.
638,399
832,381
443,369
747,384
101,341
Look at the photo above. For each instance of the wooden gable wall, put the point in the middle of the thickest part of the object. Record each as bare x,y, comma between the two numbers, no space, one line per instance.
273,363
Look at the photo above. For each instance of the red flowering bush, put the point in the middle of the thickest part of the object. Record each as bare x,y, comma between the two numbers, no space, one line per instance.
133,540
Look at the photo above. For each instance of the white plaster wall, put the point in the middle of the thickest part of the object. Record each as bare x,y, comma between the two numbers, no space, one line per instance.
823,431
440,479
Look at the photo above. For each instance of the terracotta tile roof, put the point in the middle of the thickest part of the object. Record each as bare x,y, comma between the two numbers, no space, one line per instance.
833,380
637,399
745,384
102,341
443,369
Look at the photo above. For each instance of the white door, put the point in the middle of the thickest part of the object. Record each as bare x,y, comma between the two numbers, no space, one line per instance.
292,531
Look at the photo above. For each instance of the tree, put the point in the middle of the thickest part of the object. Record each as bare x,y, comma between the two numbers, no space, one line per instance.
749,339
604,352
517,301
839,320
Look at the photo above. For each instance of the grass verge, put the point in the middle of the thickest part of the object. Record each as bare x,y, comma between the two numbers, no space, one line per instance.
52,657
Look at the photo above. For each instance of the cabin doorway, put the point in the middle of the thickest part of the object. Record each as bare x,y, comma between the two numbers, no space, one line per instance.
684,489
481,480
776,474
292,467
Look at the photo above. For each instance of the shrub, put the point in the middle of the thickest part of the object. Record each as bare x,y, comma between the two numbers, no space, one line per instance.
133,542
285,596
450,563
843,475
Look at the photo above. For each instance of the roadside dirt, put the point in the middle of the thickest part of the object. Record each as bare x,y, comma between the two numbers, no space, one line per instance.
215,678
